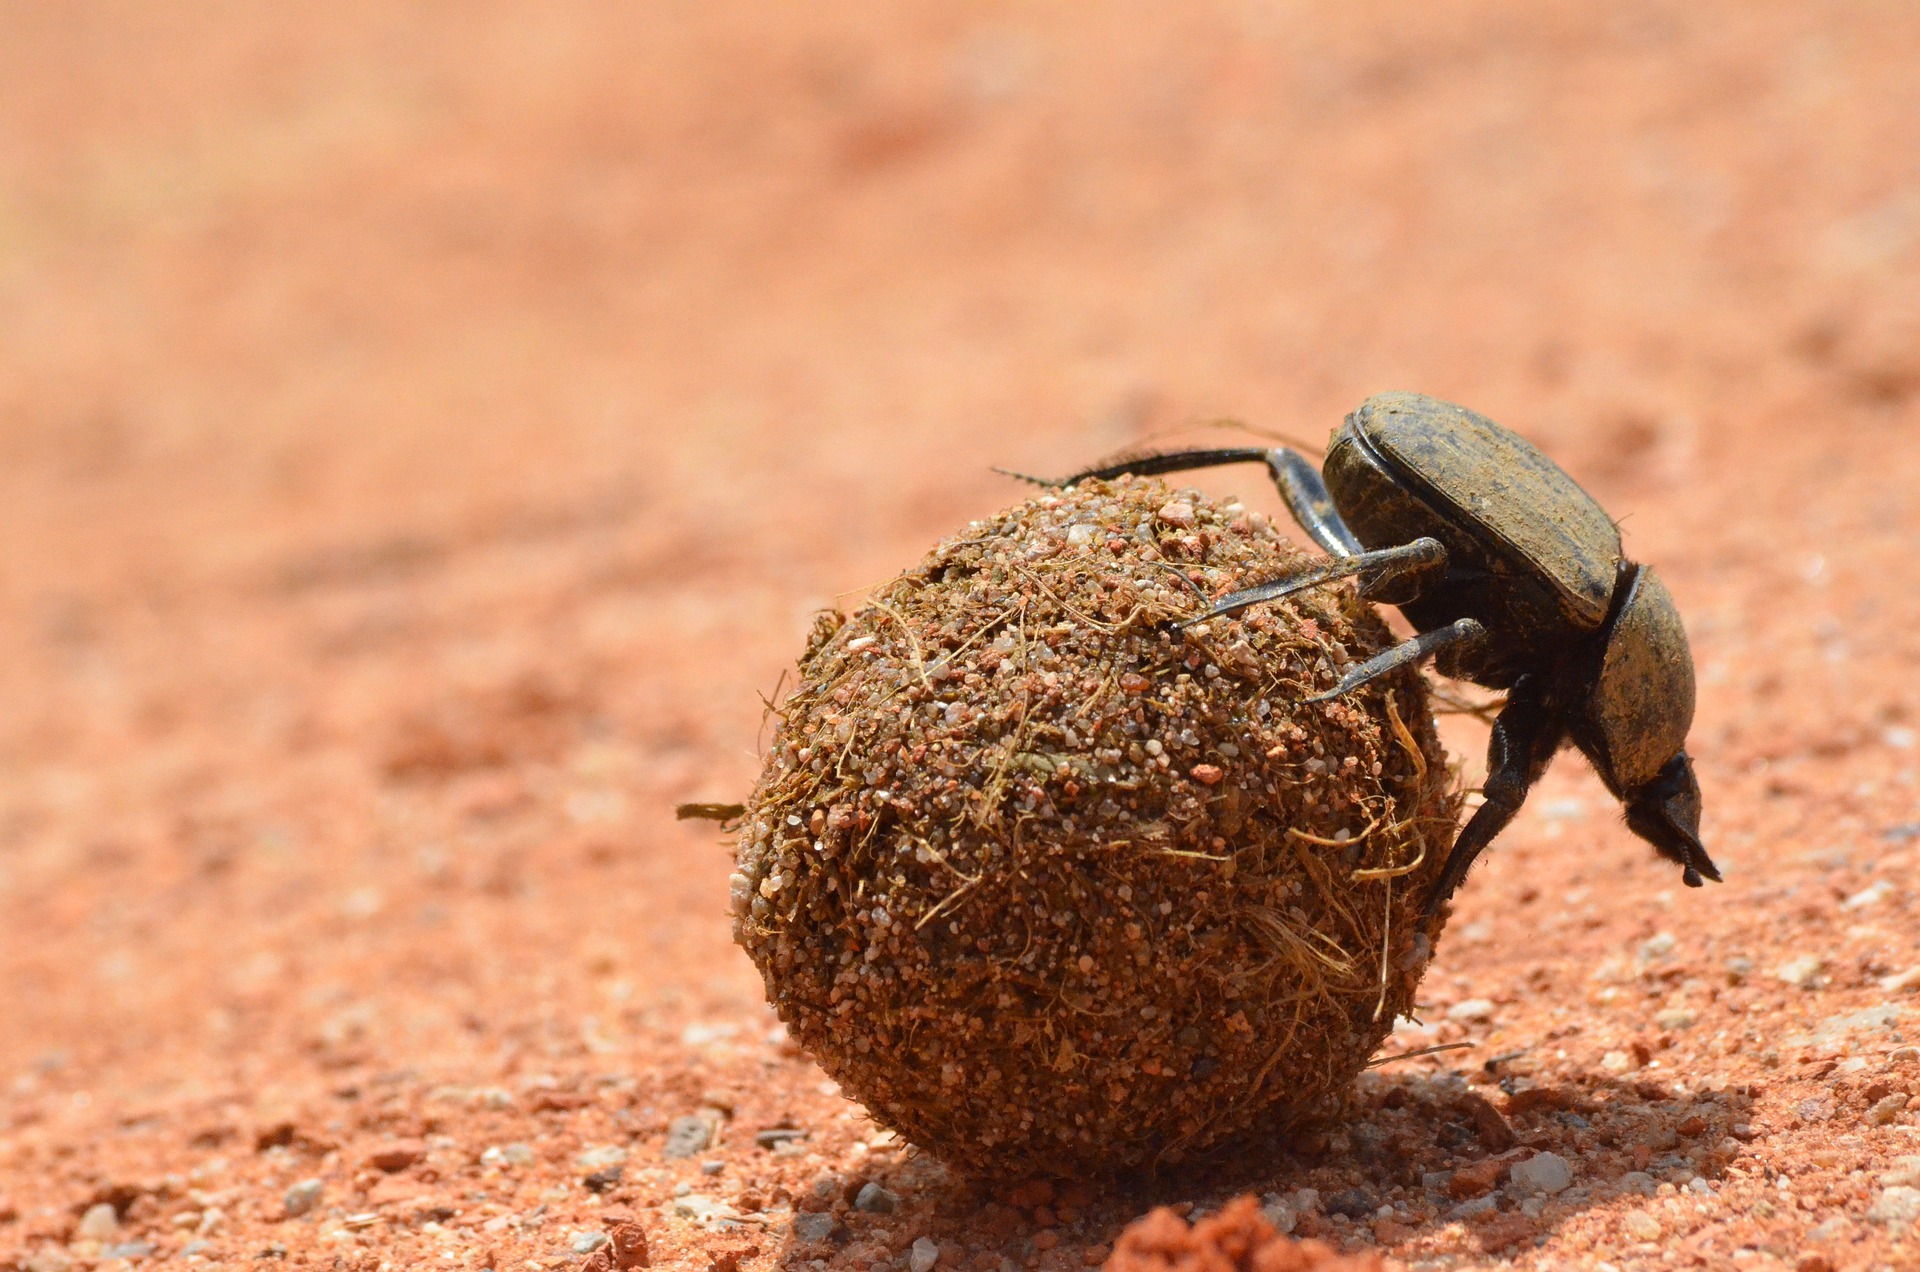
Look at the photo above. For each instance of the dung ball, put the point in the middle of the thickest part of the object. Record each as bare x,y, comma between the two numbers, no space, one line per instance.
1053,886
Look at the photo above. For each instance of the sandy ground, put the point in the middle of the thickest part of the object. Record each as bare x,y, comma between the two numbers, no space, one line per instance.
425,431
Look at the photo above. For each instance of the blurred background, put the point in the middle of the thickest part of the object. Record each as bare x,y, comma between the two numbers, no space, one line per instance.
425,429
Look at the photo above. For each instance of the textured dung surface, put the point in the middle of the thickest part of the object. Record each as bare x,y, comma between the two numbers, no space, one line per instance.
1047,885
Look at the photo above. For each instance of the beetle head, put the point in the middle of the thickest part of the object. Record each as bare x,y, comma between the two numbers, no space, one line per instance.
1666,813
1636,722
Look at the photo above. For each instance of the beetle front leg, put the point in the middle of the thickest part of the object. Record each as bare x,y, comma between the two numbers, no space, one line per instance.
1409,562
1525,737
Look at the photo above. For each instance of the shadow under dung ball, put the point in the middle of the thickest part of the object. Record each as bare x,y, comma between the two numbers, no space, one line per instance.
1049,887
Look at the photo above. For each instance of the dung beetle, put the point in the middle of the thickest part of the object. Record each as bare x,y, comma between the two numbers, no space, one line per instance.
1513,578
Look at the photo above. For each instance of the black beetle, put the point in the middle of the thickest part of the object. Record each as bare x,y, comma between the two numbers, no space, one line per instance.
1513,578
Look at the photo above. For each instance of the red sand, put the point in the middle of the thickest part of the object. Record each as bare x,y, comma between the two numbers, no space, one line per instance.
427,429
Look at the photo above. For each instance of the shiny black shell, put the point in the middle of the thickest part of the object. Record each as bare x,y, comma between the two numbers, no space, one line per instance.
1530,553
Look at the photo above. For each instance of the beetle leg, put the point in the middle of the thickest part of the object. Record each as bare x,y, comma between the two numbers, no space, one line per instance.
1525,737
1152,465
1380,568
1307,498
1300,484
1408,652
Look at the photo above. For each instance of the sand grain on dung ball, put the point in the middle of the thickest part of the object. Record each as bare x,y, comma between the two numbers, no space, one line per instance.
1048,886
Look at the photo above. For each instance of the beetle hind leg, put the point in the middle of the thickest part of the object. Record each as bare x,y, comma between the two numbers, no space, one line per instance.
1525,737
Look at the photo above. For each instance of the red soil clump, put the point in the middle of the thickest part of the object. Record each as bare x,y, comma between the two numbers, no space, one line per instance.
1237,1238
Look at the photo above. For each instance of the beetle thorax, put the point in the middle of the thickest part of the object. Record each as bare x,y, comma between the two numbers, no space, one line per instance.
1643,693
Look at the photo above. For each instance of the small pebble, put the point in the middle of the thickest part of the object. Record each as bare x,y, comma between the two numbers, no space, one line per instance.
1471,1009
1896,1207
1478,1206
303,1197
1637,1181
1886,1111
1278,1212
397,1155
100,1223
1802,972
706,1211
875,1200
515,1154
1354,1203
712,1168
1901,982
924,1254
1177,512
687,1137
128,1250
601,1158
1675,1018
588,1242
1544,1173
775,1136
1642,1226
1870,895
813,1226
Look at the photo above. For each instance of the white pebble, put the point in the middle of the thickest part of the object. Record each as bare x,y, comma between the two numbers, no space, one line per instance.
1896,1207
1901,982
100,1223
925,1252
1868,896
1802,972
1657,946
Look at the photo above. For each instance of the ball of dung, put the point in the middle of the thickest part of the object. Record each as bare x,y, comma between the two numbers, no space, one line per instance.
1050,885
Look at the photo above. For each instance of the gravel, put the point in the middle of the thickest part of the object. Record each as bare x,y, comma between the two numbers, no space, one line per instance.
601,1158
127,1250
1642,1226
1543,1172
924,1254
303,1197
1280,1213
688,1137
1801,973
875,1200
100,1223
1354,1203
1896,1207
814,1226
